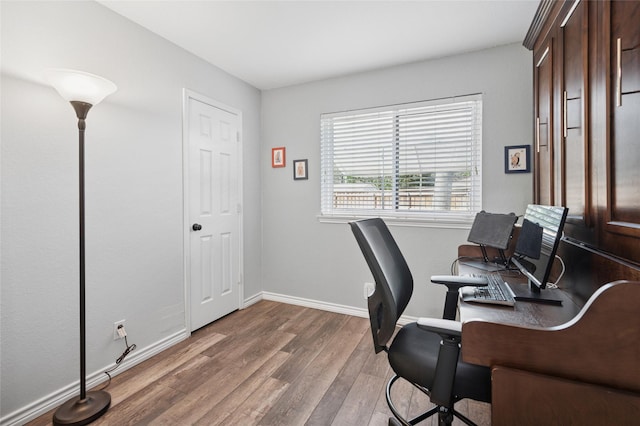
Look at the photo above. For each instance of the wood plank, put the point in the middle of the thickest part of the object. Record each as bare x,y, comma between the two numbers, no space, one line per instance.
253,409
306,348
136,409
299,324
418,404
242,320
327,408
250,398
379,419
479,412
400,393
226,376
358,410
154,369
298,402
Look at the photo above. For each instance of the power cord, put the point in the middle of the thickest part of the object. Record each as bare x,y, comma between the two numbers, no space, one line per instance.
121,358
555,284
454,266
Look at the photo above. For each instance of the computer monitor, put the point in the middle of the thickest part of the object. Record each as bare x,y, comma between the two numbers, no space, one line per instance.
536,249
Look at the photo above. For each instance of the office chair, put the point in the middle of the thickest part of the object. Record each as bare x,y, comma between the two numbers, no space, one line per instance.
426,352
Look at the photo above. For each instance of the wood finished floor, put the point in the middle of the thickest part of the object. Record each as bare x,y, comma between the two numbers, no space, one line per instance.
269,364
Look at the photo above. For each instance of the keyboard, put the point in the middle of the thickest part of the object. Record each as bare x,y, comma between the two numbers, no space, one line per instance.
496,291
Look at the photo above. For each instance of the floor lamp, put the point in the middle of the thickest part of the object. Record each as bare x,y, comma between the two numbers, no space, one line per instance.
83,90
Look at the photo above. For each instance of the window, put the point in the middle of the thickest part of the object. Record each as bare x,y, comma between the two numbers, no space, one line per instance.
419,160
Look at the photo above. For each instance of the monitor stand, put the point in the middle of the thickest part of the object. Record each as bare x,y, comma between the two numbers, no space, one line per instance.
499,264
531,293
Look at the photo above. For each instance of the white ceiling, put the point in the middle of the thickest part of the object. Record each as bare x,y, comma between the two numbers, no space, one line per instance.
272,44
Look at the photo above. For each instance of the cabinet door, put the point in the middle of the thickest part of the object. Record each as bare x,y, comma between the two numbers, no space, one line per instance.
543,82
623,168
573,133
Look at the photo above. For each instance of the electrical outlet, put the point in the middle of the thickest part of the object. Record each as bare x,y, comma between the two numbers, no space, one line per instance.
116,335
369,288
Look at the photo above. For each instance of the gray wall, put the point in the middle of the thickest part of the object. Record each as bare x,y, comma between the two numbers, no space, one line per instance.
320,261
134,192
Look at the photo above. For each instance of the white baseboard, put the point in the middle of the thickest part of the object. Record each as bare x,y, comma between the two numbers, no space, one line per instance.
57,398
309,303
251,300
325,306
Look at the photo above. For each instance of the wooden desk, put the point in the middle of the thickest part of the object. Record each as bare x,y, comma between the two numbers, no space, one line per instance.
523,313
559,364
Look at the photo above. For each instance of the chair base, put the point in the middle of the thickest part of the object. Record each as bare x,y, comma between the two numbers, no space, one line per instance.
445,414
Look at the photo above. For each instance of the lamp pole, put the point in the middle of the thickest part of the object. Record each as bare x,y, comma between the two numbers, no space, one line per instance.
82,90
82,109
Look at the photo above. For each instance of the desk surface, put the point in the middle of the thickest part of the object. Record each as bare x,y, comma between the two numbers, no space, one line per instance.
576,380
523,313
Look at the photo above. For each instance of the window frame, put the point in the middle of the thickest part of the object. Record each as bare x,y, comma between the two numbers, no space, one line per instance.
431,218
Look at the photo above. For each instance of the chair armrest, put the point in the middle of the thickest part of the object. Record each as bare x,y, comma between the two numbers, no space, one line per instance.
454,282
441,326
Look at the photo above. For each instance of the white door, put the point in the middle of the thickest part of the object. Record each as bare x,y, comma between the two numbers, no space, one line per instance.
213,211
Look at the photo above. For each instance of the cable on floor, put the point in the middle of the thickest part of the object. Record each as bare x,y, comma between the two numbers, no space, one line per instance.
121,358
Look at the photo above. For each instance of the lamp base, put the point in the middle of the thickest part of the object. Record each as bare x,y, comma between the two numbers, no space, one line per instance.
81,412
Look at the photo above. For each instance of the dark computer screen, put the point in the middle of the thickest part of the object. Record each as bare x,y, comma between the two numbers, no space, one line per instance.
492,229
540,235
530,240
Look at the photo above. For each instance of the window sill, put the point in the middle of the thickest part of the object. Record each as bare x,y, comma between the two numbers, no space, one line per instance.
455,222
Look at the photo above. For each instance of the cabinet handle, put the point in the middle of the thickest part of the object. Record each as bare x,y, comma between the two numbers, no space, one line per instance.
564,115
537,134
619,66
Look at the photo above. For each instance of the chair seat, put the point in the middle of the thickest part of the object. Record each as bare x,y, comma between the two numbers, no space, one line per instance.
413,355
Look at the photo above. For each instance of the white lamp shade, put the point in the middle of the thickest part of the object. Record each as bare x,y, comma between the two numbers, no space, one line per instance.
79,86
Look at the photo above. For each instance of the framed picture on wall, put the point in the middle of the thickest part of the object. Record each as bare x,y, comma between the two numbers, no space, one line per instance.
516,159
300,171
278,157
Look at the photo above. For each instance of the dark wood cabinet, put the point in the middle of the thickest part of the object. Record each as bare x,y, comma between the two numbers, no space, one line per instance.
543,156
586,61
573,131
623,166
561,130
561,101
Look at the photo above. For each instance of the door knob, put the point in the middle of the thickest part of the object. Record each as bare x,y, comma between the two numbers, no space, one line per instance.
196,227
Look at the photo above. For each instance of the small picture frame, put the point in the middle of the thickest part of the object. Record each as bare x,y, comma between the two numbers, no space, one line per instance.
516,159
300,169
278,157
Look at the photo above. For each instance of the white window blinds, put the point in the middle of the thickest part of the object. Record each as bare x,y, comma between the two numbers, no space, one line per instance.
420,159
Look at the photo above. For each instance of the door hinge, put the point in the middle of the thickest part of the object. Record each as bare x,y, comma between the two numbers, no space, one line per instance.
239,208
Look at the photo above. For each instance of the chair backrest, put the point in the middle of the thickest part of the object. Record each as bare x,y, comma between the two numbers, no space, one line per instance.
394,283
